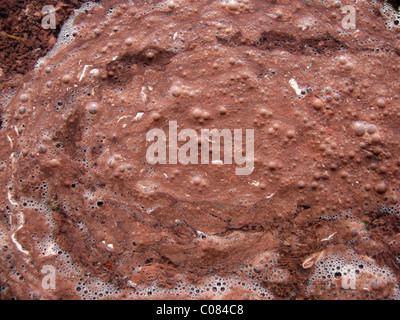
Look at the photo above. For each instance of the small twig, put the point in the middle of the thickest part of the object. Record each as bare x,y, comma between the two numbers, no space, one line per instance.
12,37
53,11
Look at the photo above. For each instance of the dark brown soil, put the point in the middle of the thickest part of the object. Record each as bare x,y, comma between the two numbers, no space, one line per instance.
21,19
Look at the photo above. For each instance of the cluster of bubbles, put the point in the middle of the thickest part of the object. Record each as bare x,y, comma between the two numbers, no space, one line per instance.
214,286
248,282
350,271
336,215
393,210
95,289
389,13
13,270
237,6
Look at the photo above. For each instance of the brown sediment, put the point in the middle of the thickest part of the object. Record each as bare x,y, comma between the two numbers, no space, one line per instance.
80,195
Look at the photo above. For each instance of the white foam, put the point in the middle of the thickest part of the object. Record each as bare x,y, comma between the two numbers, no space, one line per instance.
66,35
352,272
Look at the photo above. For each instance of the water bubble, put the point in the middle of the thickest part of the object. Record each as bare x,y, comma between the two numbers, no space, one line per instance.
359,129
24,98
372,129
232,5
129,42
156,116
206,115
197,180
176,91
317,103
301,184
171,4
150,55
196,113
381,187
380,102
66,79
93,107
42,149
